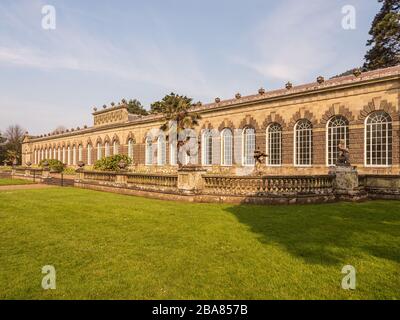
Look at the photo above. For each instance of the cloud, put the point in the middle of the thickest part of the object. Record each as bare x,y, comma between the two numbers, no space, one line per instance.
292,41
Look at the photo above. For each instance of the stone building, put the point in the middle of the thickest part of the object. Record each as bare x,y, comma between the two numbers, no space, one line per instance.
298,127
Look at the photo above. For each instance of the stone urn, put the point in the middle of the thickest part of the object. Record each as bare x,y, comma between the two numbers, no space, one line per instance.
45,165
122,165
28,163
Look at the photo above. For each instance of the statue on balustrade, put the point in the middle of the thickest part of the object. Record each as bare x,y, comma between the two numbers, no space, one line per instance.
344,155
259,158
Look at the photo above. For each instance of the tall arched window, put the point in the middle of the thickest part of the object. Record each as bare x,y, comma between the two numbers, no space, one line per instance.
207,144
98,151
303,143
149,151
69,155
378,139
337,130
115,147
59,154
80,153
161,150
46,154
42,157
74,155
54,153
107,149
35,156
130,148
274,144
63,155
173,153
249,145
226,147
89,154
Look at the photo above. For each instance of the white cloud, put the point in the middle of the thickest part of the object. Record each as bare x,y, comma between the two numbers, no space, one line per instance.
293,41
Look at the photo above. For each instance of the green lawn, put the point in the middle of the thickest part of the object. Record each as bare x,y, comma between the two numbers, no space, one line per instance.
10,182
110,246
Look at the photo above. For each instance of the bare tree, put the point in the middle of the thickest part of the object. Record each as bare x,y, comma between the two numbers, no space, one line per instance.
14,135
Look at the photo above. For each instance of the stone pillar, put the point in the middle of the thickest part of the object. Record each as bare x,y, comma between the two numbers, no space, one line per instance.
190,180
346,186
121,178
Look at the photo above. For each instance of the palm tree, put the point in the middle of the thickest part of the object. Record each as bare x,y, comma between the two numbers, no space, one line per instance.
177,109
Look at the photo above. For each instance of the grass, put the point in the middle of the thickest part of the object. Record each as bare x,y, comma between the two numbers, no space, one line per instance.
10,182
111,246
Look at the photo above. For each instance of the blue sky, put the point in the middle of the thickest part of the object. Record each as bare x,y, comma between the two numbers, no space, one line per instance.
102,51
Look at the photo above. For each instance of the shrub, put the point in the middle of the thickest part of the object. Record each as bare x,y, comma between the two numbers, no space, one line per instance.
111,163
54,165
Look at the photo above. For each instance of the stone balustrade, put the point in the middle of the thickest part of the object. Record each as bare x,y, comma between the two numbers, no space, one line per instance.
100,176
253,185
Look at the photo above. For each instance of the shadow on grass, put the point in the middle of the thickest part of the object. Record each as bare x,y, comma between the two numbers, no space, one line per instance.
327,234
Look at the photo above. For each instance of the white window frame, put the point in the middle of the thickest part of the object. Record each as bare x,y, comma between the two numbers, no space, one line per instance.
99,153
148,151
161,150
89,154
107,149
130,148
295,132
207,151
387,158
329,133
267,144
244,157
115,147
223,148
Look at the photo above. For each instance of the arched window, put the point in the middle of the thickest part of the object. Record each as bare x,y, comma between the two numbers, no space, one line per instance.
80,153
98,151
274,144
69,155
59,154
42,157
149,151
226,147
130,148
63,155
337,130
161,150
46,154
303,143
89,154
107,149
173,153
249,145
378,139
207,144
115,147
54,153
74,155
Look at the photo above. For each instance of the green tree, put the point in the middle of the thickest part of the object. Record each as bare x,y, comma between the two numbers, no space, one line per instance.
177,109
135,107
385,41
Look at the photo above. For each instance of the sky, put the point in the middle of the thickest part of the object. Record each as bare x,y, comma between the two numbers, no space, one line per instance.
103,51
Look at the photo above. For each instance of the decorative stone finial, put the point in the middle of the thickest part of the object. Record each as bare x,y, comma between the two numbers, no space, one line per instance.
261,91
112,104
238,95
320,79
357,72
289,85
217,100
85,126
104,106
95,109
77,128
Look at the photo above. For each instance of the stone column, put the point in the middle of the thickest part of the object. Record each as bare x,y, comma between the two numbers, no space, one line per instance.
190,180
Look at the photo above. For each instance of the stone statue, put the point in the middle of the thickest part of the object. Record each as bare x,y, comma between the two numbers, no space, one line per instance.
258,157
344,155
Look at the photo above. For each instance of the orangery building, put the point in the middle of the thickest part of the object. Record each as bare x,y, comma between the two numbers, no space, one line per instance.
297,127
